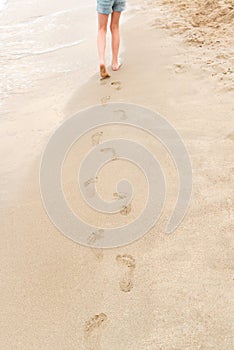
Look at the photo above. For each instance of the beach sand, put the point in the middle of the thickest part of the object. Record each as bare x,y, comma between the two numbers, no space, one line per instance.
163,291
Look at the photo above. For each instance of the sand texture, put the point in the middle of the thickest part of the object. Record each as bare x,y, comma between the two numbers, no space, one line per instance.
163,292
208,26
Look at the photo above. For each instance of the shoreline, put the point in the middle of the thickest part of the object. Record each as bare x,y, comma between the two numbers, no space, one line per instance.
37,80
181,284
26,122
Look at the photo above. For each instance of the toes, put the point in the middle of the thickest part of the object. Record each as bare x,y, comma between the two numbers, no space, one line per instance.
116,66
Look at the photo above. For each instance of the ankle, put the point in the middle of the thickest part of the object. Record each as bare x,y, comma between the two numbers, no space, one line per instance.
115,61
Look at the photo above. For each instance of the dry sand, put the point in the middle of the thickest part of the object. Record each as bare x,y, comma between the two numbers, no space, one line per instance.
207,26
162,292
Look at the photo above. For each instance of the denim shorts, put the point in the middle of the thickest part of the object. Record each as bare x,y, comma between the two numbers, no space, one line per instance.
107,6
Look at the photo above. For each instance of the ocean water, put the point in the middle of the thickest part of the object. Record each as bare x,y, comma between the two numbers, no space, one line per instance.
2,4
41,39
38,40
47,51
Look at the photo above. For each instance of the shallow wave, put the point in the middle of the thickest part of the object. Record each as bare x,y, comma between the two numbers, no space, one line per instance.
23,54
3,4
37,19
24,42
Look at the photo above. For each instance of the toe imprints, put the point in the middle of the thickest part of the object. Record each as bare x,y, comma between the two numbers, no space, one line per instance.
92,331
94,323
126,210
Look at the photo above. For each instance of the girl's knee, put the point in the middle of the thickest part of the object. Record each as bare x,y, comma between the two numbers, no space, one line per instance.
114,27
102,29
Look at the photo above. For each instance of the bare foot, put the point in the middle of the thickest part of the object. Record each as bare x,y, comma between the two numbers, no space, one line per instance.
103,72
116,66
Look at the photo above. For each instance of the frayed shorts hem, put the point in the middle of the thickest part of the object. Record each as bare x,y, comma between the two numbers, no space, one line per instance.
114,6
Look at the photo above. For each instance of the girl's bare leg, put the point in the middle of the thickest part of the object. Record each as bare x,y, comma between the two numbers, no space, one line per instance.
101,41
114,26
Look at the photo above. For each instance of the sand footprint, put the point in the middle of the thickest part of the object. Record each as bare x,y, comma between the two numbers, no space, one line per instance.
126,262
92,331
119,195
90,186
179,68
95,236
110,150
105,99
117,85
126,210
96,138
230,136
121,113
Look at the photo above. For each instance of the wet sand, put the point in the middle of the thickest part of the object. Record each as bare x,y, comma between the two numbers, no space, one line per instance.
164,291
